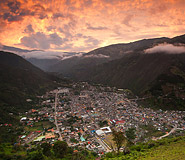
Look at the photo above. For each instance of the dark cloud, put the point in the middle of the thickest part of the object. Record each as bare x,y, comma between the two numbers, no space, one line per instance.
79,35
40,40
26,12
16,11
39,7
67,2
68,29
95,28
50,28
127,20
55,39
58,15
43,16
158,8
1,46
14,6
40,11
29,29
68,46
112,1
12,18
87,3
90,41
29,42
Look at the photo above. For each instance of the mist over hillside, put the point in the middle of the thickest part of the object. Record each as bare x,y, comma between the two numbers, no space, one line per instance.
19,81
146,67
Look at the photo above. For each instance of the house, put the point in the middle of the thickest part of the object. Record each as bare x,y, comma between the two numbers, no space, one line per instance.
104,130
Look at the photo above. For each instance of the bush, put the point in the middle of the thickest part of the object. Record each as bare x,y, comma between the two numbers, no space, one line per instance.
60,149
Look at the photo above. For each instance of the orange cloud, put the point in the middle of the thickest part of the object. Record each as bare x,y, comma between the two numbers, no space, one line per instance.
82,25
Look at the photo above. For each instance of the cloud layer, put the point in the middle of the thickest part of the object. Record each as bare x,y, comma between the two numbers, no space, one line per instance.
82,25
166,48
44,55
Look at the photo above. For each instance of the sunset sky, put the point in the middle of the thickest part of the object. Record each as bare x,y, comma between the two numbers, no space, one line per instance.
83,25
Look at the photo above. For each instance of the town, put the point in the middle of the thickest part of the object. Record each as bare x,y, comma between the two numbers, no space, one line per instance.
84,116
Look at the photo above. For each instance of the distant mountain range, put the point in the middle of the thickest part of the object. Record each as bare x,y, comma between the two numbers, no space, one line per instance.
46,62
15,49
40,58
19,81
151,67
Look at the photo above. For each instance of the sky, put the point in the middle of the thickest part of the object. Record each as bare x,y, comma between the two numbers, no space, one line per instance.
83,25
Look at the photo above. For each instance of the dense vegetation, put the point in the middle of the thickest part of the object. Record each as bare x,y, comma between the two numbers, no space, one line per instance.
19,81
160,76
151,75
167,148
168,90
58,151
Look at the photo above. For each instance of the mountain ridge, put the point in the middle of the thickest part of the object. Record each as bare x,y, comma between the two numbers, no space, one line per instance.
19,81
136,70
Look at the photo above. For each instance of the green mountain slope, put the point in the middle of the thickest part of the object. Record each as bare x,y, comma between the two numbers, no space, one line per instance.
158,76
19,81
166,149
70,66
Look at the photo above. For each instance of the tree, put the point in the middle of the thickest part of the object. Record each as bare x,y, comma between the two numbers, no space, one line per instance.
119,139
35,155
130,133
60,149
46,149
78,156
104,123
73,140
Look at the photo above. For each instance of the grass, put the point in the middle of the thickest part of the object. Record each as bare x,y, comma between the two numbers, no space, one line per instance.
108,140
152,131
165,149
7,149
39,126
174,151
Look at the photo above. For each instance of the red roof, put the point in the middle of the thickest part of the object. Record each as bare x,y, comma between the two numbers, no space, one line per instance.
33,110
120,122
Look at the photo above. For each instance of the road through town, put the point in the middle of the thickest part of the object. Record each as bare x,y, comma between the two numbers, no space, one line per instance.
58,130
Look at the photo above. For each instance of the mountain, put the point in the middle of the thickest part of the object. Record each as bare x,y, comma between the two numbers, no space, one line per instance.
15,49
150,75
45,60
43,64
70,66
169,148
19,81
153,68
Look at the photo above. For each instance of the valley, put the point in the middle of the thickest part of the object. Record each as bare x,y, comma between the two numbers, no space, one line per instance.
146,67
92,80
89,97
84,116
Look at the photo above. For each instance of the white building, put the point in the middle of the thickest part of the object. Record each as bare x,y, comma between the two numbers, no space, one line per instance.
104,130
